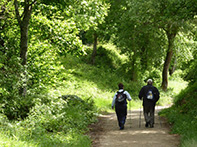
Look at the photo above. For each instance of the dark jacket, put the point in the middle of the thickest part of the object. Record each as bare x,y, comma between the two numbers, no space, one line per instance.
143,94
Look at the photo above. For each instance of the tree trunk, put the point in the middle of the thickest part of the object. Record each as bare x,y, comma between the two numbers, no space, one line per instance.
24,43
23,21
173,67
171,36
165,70
94,49
23,54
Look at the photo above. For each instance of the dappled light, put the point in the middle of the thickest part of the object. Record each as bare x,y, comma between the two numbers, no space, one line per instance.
61,62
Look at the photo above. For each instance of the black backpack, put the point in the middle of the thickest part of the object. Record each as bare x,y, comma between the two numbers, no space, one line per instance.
120,98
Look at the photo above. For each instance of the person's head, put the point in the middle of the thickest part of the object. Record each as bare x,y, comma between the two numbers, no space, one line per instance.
121,86
149,81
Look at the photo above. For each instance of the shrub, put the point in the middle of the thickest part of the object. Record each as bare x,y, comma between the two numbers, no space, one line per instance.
60,115
183,115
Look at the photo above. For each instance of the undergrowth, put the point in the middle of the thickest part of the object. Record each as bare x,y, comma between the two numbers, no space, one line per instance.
61,122
183,116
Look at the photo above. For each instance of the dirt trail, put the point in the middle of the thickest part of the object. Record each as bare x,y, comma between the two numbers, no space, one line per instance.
106,132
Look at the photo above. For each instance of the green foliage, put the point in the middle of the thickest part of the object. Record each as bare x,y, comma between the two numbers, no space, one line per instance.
192,70
108,57
136,35
183,115
103,58
186,98
44,117
154,74
59,33
61,121
43,67
140,28
60,115
11,80
53,31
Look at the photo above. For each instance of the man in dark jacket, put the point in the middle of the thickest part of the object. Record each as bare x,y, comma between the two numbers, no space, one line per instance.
150,96
120,101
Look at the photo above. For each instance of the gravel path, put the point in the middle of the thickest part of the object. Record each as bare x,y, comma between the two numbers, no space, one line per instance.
106,132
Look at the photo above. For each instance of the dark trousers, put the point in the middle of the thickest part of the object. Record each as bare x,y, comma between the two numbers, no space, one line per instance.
149,112
121,112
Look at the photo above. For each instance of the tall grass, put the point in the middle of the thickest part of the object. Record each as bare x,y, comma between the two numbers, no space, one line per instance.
183,116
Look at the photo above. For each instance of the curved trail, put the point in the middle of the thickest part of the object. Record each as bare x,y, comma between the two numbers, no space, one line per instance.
106,132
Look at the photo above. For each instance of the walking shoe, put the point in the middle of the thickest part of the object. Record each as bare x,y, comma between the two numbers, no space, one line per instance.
151,126
122,128
146,125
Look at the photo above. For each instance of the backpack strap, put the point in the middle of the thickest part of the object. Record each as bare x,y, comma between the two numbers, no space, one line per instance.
120,92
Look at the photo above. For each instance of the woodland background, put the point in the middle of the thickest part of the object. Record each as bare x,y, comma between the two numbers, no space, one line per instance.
61,61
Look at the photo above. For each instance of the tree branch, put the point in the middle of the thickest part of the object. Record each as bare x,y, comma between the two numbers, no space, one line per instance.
17,12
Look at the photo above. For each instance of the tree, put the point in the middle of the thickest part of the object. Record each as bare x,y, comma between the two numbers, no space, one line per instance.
60,23
23,22
136,35
31,59
151,19
94,21
172,17
171,33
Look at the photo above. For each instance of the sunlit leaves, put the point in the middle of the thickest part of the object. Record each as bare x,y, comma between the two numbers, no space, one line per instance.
61,22
89,13
139,27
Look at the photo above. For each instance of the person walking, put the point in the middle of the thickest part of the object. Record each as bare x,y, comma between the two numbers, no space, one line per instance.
150,96
120,102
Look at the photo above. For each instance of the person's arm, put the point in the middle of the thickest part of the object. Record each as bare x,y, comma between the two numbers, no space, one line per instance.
113,101
157,94
128,96
140,94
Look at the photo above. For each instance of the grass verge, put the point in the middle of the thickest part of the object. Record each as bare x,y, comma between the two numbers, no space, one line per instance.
183,116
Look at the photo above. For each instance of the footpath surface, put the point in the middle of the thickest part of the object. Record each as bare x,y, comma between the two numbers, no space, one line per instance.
106,133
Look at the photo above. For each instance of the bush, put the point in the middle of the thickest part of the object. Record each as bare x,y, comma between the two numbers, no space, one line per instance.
59,122
60,115
183,115
17,107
